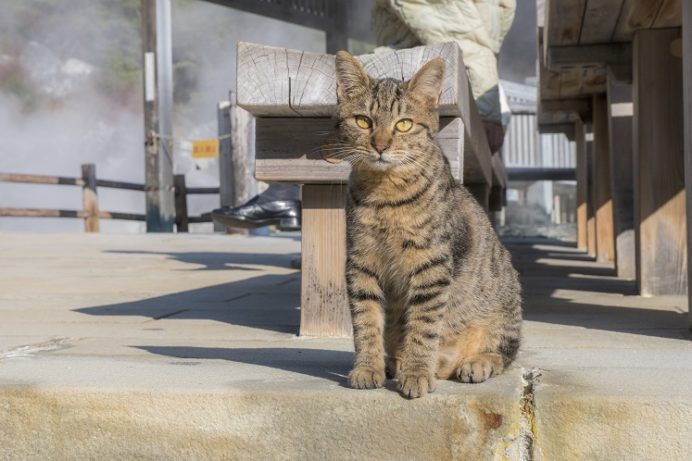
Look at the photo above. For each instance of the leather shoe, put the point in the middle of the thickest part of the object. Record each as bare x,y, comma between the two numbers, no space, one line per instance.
283,213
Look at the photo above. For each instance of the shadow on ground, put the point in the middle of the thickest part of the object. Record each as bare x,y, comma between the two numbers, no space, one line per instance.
269,302
318,363
547,266
216,261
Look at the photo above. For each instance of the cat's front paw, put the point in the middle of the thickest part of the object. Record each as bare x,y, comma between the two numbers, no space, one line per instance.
416,383
366,378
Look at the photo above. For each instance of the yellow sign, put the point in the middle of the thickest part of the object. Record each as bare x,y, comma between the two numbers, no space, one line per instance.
205,148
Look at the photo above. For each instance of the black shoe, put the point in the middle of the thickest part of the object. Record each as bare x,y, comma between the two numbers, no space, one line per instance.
283,213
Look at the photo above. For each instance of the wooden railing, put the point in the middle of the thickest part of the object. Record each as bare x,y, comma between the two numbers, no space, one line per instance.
90,212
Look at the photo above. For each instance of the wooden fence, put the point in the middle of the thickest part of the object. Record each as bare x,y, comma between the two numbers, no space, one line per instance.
90,212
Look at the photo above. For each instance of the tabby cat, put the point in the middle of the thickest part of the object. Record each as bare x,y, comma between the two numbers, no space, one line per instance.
429,284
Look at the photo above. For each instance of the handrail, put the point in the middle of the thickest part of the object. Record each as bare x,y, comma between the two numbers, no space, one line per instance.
91,213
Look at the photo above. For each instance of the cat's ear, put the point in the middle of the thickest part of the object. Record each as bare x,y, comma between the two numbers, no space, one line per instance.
426,84
351,78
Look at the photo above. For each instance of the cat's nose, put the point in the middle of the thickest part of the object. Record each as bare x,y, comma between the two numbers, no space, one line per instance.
380,146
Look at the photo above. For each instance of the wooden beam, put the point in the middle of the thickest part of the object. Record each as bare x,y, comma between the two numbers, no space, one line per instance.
541,174
324,302
591,241
600,18
582,183
278,82
687,93
90,198
659,166
290,150
620,113
563,22
236,129
560,57
581,106
316,15
558,128
603,204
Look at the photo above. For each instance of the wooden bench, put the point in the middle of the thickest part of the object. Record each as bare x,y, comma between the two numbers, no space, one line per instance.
293,95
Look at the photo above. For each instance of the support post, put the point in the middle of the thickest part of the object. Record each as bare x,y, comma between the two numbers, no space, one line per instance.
337,35
620,112
582,182
591,241
659,163
182,222
324,303
603,204
90,198
687,92
481,192
158,106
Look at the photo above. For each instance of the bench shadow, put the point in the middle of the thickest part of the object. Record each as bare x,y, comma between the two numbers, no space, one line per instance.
548,266
269,302
318,363
217,261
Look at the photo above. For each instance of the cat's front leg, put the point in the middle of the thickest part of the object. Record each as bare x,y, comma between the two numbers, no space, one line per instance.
366,302
427,302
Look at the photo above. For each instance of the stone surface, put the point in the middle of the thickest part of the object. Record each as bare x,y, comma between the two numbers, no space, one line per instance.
184,347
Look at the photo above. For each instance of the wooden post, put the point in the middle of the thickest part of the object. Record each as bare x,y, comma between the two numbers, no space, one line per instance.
659,163
582,183
481,192
324,302
687,92
620,111
591,241
158,169
236,157
181,218
603,204
337,36
90,198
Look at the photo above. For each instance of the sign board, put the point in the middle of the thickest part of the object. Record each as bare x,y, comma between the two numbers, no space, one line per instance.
205,148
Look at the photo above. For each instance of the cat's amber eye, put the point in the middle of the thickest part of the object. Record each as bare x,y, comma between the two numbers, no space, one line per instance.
363,122
404,125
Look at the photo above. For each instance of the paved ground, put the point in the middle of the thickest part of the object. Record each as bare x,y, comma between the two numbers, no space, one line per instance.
184,347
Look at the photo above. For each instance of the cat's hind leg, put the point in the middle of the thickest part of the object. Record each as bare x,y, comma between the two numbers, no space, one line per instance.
471,356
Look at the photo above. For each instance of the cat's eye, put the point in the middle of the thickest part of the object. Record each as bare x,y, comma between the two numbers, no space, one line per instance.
404,125
363,122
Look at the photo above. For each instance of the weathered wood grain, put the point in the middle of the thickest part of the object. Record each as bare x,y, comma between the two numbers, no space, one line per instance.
600,19
622,183
90,198
324,303
565,57
591,240
294,150
603,204
275,82
659,165
582,183
646,14
687,94
563,22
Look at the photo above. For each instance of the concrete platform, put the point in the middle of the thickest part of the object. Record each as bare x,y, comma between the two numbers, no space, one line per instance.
184,347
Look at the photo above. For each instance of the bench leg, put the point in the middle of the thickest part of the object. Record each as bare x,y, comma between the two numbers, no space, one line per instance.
481,191
659,164
324,303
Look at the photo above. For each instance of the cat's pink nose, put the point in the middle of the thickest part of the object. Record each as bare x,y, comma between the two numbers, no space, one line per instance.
380,147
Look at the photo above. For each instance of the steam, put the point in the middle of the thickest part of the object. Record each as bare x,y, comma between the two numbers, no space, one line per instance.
69,113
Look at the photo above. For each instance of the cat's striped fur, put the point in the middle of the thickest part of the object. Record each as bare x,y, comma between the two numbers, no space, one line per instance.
431,288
